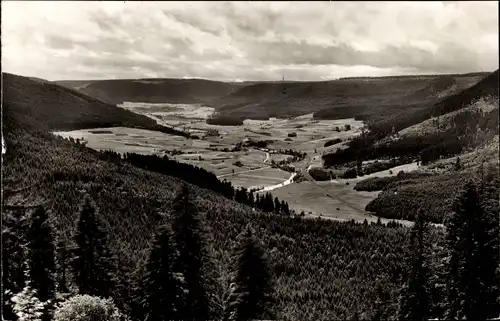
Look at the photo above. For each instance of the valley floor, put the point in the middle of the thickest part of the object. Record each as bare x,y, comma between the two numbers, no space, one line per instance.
251,167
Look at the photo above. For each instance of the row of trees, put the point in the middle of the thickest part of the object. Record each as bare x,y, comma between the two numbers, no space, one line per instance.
173,283
200,177
263,202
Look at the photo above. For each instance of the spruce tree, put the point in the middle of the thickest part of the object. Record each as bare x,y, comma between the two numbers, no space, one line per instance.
41,252
160,293
62,257
13,260
489,251
191,249
251,284
285,208
458,166
472,259
414,303
277,205
92,261
251,199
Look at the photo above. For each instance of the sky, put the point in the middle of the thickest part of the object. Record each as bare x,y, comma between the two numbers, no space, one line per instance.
238,41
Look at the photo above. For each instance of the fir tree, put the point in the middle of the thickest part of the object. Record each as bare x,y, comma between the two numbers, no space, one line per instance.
355,316
414,303
251,199
191,256
13,260
472,259
251,287
277,205
458,166
62,257
41,261
381,298
160,292
284,207
92,261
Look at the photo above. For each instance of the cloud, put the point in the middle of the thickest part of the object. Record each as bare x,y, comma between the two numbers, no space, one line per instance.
247,40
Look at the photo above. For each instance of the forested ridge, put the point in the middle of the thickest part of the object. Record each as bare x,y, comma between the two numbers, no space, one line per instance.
465,127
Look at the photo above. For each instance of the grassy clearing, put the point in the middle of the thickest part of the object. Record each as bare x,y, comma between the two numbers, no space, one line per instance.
310,197
246,180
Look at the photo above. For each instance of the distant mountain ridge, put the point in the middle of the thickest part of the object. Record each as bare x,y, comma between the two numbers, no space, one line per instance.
156,90
47,105
260,99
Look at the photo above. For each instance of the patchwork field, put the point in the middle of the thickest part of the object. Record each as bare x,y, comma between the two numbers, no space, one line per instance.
249,167
213,147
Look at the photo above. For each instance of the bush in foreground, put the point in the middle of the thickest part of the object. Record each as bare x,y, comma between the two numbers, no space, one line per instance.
27,306
87,308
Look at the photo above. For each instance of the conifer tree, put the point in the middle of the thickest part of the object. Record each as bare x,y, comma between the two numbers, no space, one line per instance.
160,292
41,252
414,303
277,205
62,257
257,202
92,261
251,284
190,245
284,207
251,199
472,259
458,166
13,261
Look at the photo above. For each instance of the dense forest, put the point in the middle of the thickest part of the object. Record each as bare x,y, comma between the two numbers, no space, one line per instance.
225,121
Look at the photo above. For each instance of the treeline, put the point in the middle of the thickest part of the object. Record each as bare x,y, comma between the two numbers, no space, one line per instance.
50,279
284,164
187,172
296,153
200,177
332,142
380,183
224,120
262,202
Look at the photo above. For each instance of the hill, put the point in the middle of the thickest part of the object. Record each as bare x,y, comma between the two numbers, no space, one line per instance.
158,90
59,108
367,98
487,87
343,98
467,128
